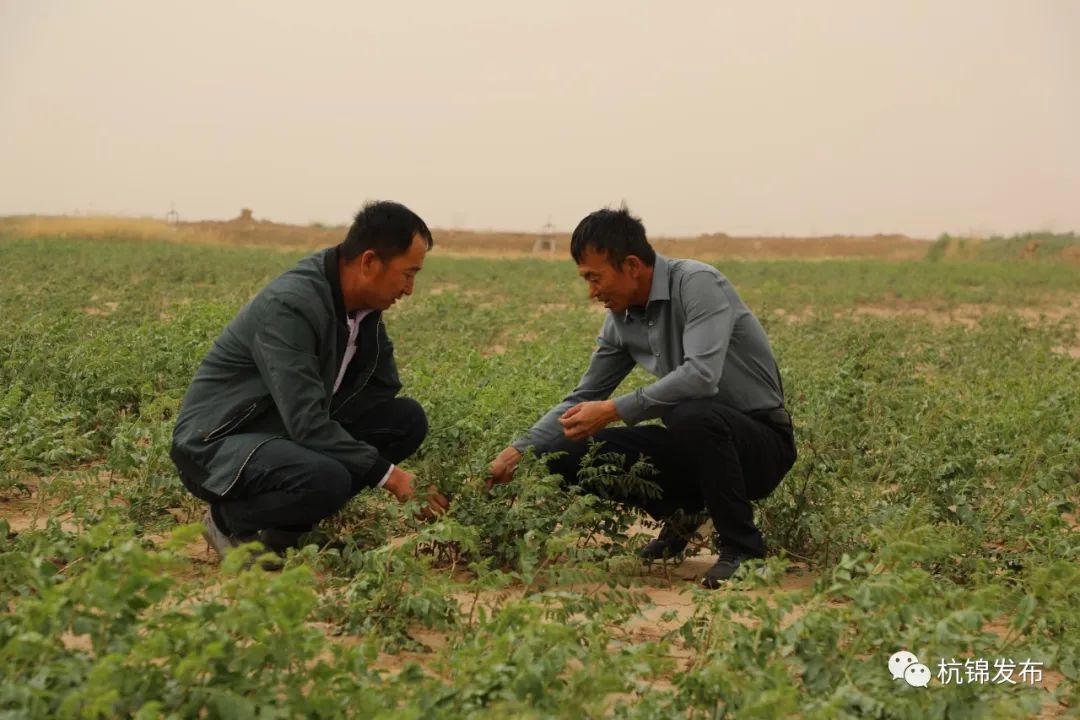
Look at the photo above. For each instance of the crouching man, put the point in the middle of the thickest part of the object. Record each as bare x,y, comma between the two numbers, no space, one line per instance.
726,438
294,409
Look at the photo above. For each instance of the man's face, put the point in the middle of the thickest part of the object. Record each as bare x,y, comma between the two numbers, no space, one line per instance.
615,288
387,282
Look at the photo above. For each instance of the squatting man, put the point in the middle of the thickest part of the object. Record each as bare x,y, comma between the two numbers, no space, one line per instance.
294,410
726,437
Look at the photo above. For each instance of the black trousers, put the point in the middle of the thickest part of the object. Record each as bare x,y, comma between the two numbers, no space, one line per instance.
708,456
285,486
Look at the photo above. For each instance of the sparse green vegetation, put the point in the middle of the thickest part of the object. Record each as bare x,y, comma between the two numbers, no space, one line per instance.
932,508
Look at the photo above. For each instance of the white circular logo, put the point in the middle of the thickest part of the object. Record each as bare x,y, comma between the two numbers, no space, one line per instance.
917,675
899,662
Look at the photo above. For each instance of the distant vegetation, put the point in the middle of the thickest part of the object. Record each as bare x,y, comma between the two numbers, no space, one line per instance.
248,230
1027,246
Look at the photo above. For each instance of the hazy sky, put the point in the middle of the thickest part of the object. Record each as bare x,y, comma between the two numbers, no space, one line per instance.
777,117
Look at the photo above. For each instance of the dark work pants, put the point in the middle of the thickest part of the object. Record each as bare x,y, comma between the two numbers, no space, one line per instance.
286,486
708,456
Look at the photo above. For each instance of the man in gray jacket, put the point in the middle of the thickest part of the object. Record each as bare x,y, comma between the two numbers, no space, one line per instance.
293,411
726,437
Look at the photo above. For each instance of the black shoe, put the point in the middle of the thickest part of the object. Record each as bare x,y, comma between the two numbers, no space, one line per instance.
222,542
725,567
674,536
323,540
279,541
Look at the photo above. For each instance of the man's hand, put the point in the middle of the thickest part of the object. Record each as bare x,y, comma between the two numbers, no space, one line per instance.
401,485
502,467
588,418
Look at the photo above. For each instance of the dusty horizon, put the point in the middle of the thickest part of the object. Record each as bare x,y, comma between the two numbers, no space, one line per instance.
37,224
838,119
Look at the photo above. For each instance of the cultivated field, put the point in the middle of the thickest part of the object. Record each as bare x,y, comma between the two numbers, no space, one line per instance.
932,509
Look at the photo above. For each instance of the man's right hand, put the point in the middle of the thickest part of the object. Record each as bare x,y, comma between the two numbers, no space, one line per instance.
503,467
401,485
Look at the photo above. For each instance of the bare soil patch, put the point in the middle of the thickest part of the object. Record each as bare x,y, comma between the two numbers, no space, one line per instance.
31,509
1057,309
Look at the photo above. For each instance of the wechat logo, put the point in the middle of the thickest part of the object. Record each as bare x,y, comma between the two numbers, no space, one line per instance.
904,665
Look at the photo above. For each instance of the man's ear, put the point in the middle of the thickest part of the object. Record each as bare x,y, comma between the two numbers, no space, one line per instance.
370,262
633,266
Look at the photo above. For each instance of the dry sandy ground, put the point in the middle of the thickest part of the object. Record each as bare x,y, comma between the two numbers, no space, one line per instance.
1058,308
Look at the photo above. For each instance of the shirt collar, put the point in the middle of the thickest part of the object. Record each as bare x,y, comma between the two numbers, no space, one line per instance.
659,290
356,316
661,273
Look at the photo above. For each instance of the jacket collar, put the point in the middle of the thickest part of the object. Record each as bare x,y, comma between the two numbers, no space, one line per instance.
333,276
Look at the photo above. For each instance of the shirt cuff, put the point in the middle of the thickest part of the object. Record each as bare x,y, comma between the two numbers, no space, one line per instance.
629,408
386,476
378,473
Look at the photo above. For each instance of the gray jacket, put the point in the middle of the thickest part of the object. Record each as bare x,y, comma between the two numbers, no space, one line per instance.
270,374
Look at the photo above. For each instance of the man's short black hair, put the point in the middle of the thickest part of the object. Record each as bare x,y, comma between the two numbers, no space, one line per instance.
615,232
386,227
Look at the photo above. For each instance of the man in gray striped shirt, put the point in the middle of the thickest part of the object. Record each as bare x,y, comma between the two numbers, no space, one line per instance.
726,438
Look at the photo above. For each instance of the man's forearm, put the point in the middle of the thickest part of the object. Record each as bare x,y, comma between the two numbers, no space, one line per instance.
685,383
546,431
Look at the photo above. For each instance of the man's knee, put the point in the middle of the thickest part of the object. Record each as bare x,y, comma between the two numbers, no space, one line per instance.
330,486
564,457
571,453
413,419
397,427
410,419
693,419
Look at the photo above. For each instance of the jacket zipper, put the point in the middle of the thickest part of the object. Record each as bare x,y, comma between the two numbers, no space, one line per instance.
368,378
229,425
275,437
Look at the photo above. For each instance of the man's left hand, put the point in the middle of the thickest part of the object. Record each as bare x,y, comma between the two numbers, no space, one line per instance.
588,418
